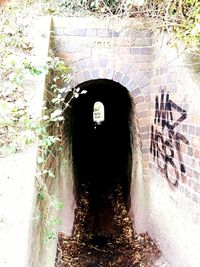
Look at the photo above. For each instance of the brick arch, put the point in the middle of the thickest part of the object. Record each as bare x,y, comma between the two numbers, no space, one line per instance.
103,68
135,82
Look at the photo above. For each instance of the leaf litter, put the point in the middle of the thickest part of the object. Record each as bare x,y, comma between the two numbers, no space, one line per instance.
105,240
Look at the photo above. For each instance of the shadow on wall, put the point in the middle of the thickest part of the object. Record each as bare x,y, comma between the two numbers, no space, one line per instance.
101,150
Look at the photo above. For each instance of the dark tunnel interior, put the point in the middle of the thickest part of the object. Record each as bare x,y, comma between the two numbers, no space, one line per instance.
101,153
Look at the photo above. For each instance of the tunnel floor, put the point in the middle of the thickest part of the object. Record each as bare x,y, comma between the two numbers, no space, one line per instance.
123,248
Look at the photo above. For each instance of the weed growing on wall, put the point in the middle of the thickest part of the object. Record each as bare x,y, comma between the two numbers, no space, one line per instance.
51,143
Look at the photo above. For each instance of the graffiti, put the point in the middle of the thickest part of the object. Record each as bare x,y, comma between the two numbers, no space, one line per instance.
166,143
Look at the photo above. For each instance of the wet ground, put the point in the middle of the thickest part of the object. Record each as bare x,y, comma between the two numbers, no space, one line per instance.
105,239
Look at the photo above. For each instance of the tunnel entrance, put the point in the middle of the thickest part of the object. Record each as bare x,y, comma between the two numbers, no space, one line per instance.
101,149
100,140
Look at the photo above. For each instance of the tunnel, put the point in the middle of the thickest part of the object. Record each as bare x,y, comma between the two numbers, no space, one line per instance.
100,141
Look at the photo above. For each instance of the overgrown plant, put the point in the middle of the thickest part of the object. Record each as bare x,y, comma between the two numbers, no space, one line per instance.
16,70
51,143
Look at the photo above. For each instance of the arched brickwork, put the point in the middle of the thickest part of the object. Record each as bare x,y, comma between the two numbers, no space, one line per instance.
134,81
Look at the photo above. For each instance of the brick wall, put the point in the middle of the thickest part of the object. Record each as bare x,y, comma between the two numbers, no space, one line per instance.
174,202
166,179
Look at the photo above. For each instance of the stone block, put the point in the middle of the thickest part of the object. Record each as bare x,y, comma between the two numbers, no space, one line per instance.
141,50
144,121
144,136
90,64
79,32
68,31
196,175
143,66
144,82
58,31
79,78
191,130
195,198
125,80
109,74
135,93
102,73
115,33
145,144
76,67
86,50
139,99
172,77
82,64
187,192
104,33
148,98
87,75
145,158
70,48
141,107
94,74
142,42
125,68
143,58
197,153
117,76
91,32
135,50
190,151
103,61
123,50
139,76
131,85
142,114
146,51
143,129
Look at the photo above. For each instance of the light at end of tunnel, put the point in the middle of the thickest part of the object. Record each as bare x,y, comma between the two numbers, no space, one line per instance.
98,113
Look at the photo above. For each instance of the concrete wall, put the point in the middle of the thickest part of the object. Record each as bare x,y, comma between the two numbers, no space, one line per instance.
17,172
165,186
